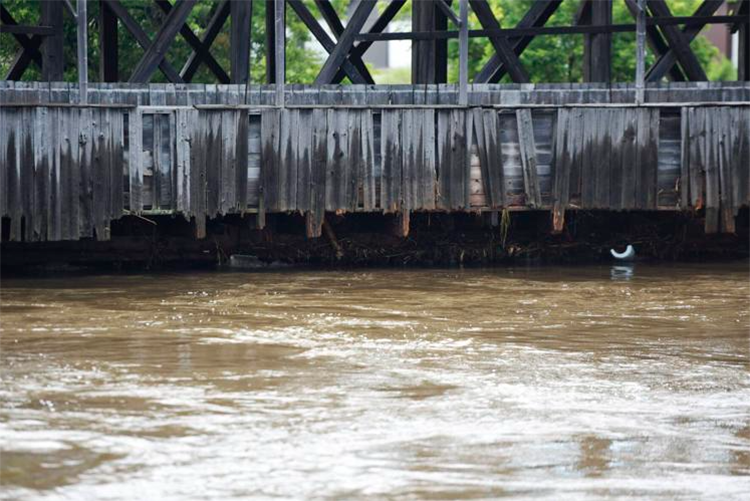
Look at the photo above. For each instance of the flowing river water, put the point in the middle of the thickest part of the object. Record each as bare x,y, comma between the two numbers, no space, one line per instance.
559,383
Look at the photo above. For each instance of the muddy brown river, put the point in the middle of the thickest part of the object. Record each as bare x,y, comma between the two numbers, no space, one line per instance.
548,383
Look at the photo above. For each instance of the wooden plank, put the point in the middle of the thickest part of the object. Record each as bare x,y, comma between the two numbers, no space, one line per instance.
428,166
713,201
86,161
408,144
117,165
241,152
45,204
214,163
270,128
697,147
316,214
198,159
135,160
228,165
648,160
184,119
353,160
528,158
390,191
367,175
565,132
618,121
602,158
304,144
285,161
577,152
726,139
684,158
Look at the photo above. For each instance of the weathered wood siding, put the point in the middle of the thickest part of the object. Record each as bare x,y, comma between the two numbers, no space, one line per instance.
67,172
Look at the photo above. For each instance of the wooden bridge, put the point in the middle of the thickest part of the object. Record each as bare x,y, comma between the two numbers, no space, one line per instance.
75,157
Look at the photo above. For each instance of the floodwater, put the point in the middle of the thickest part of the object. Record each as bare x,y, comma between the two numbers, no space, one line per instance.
556,383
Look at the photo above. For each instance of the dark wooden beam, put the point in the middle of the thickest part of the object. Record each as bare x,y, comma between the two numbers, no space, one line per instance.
393,8
537,15
444,7
679,43
239,40
25,29
334,24
656,42
213,29
108,44
428,61
142,38
668,60
502,48
270,43
53,55
158,49
743,49
200,50
345,43
597,48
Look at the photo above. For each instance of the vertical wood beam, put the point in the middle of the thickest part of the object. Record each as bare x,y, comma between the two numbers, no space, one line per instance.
270,42
743,71
423,53
280,49
743,49
463,52
640,52
82,49
108,51
597,47
53,63
241,12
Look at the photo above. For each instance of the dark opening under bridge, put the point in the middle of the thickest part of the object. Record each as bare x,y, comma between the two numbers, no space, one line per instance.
74,157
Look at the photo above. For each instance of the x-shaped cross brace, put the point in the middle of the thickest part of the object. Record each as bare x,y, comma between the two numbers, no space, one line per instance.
28,52
200,47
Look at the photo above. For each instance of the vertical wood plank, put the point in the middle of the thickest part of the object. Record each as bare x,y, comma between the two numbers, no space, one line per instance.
390,191
528,158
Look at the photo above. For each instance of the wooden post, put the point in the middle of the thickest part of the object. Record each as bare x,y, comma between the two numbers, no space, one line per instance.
280,49
53,56
428,57
270,42
640,52
598,47
108,54
463,53
743,49
82,50
241,12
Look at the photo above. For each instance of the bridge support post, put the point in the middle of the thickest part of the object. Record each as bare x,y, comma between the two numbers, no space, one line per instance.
429,58
108,61
597,48
239,46
53,57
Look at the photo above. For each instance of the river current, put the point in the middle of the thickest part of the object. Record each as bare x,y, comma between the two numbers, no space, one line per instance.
587,382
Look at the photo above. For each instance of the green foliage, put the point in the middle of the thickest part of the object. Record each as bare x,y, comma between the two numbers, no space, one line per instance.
546,59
